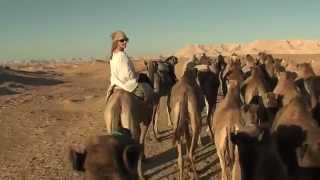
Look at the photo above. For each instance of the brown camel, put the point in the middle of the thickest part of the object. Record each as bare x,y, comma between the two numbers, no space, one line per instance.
309,84
248,62
185,111
258,154
286,87
270,68
107,157
125,110
162,76
297,135
228,117
209,84
305,70
254,86
233,70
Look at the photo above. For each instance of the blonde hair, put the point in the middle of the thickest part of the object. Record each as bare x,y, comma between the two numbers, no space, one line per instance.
116,36
113,47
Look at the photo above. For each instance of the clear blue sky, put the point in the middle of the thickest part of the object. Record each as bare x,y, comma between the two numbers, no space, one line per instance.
77,28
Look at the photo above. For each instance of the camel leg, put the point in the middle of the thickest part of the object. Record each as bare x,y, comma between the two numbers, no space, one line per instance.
170,123
223,154
209,118
144,130
195,126
112,117
222,165
140,173
188,138
191,151
155,117
180,158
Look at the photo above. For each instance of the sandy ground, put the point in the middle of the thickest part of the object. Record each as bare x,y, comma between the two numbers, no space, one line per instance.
46,108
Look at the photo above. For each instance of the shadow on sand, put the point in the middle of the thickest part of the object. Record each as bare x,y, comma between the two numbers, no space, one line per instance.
165,160
18,79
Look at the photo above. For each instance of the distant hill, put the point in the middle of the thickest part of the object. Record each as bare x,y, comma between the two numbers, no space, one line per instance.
269,46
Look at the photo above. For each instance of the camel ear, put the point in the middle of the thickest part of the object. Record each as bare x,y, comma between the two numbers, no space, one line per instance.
77,158
175,60
130,157
172,60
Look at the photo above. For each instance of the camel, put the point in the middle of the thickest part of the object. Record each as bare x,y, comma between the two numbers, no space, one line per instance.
209,84
125,110
258,154
107,157
256,90
294,129
305,70
162,76
270,68
269,105
309,84
286,87
185,109
228,117
255,85
222,65
311,89
232,71
249,62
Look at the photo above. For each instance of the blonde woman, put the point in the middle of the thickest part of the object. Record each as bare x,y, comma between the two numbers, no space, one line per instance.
122,71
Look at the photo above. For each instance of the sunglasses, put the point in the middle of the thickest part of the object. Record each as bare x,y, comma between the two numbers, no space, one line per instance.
123,40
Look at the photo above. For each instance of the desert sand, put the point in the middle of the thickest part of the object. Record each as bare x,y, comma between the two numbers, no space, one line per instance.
46,108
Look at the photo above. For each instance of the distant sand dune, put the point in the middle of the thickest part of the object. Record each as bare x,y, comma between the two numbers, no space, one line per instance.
269,46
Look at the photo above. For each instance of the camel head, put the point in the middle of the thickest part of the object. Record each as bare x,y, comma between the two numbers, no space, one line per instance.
215,66
286,76
249,113
232,65
305,70
107,157
221,62
173,60
250,60
162,74
249,135
152,67
262,57
270,100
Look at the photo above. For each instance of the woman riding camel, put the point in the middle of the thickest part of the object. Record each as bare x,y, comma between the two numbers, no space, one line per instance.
123,74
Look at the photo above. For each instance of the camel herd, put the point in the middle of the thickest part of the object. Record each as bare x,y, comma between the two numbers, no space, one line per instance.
265,128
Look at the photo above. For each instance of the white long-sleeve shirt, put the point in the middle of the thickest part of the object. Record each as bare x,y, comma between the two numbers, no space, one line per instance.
122,71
